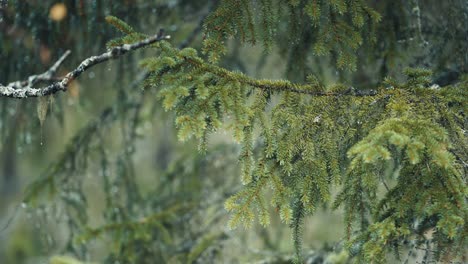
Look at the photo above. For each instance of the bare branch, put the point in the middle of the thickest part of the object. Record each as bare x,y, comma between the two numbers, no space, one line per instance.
46,76
24,89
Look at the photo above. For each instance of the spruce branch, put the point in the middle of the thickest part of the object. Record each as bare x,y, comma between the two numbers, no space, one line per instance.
24,89
273,85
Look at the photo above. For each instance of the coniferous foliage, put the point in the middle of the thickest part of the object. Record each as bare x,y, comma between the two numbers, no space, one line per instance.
392,156
329,26
399,132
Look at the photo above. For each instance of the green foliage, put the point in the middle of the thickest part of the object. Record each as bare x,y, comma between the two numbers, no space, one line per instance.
202,245
226,21
302,148
417,157
396,155
339,26
130,35
401,134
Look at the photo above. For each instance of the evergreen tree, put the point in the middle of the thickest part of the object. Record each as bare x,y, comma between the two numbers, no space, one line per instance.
353,126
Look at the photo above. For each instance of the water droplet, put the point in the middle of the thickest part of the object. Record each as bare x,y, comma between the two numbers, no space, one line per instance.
41,134
24,205
49,239
28,138
114,189
11,111
91,75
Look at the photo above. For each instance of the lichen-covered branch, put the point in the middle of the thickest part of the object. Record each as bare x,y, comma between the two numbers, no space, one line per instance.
43,77
272,85
24,89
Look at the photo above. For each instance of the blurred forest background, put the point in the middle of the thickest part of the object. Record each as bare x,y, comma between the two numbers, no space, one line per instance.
123,161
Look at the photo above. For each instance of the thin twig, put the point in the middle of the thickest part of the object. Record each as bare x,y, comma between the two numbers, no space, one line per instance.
45,76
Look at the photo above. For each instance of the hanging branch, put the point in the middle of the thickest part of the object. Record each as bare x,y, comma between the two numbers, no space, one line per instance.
24,89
